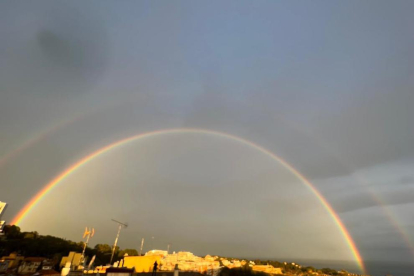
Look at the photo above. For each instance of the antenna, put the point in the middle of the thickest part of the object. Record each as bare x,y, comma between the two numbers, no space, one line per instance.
123,224
120,224
87,234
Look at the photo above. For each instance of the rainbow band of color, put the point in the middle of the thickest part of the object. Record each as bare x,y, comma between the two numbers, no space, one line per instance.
32,203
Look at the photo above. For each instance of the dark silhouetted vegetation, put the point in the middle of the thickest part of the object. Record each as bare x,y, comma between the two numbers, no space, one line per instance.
31,244
240,271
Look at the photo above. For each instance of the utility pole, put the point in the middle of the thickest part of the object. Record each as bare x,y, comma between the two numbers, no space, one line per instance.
120,224
142,245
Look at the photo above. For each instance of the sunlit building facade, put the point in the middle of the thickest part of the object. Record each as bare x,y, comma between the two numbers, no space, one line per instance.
186,261
73,258
267,269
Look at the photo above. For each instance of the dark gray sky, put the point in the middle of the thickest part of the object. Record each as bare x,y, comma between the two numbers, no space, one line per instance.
327,86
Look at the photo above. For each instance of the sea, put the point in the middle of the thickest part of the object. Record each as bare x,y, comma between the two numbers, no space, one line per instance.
374,268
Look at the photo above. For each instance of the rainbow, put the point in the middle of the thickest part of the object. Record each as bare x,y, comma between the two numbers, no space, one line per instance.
36,139
36,199
391,218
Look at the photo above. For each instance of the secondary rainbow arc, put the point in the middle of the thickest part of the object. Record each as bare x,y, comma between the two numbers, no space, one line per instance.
36,199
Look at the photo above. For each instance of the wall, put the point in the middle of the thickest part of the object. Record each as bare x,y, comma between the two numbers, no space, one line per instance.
141,263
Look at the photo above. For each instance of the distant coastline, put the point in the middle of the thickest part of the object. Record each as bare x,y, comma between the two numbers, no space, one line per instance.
374,268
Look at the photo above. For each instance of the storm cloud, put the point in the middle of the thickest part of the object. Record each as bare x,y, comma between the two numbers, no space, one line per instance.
325,86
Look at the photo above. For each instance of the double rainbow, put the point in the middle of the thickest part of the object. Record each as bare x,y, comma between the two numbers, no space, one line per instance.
32,203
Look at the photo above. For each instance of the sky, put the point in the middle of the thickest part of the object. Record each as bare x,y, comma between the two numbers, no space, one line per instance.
325,86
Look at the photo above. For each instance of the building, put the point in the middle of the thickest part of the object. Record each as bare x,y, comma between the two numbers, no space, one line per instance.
210,258
97,270
141,263
117,271
10,262
186,261
3,206
4,265
30,265
47,272
161,253
48,264
267,269
47,269
73,258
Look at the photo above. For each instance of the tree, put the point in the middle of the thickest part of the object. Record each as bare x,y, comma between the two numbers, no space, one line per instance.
12,232
310,269
104,252
130,252
103,248
329,271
